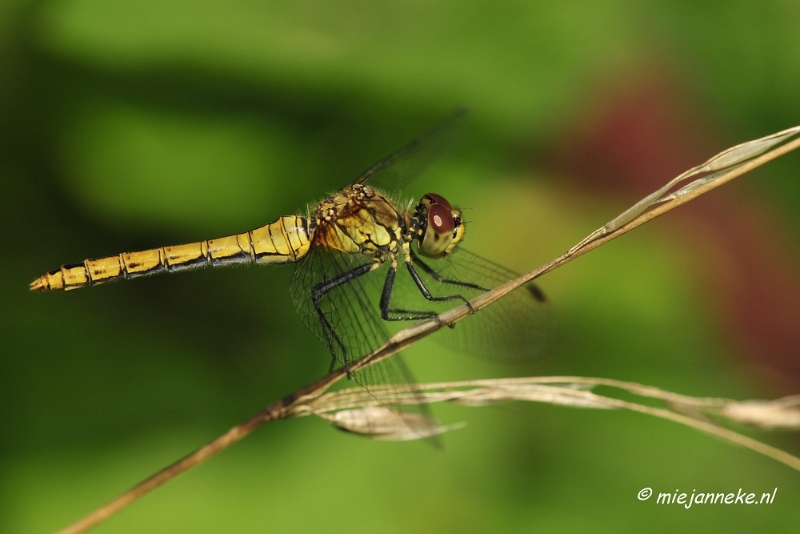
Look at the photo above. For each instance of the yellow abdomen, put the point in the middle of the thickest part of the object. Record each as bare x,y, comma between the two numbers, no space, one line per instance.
283,241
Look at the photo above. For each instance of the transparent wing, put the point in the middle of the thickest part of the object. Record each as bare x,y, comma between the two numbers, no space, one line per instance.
344,322
395,171
519,327
349,322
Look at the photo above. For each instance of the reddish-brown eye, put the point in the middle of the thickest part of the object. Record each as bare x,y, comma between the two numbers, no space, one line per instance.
439,199
440,219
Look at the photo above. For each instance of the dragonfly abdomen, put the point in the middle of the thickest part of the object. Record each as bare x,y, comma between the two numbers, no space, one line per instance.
283,241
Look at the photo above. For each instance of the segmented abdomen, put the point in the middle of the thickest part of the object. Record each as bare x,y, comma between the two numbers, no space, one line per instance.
284,241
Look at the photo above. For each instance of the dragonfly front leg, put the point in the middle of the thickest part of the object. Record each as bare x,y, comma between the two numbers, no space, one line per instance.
413,259
332,339
439,278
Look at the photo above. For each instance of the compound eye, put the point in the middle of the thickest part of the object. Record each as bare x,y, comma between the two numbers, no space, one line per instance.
439,232
440,219
439,199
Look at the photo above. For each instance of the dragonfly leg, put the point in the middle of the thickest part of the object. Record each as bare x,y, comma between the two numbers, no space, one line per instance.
394,314
333,341
439,278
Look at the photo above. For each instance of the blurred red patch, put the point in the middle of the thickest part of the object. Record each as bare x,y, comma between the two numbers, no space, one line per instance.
635,140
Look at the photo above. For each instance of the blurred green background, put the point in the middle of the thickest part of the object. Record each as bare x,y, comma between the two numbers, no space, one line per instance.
129,125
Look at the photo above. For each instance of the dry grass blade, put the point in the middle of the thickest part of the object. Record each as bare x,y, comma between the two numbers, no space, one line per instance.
782,413
776,414
725,166
381,423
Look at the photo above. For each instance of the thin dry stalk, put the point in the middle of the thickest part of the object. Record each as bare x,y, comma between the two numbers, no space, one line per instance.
726,166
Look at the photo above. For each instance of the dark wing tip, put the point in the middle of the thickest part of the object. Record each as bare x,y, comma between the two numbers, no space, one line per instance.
537,293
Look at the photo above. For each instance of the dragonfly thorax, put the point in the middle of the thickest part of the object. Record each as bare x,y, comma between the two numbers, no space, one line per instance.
359,220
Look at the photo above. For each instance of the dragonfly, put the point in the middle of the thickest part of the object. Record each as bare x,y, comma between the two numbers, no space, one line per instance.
364,260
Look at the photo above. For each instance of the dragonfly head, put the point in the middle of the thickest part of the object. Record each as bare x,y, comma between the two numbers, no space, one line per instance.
441,227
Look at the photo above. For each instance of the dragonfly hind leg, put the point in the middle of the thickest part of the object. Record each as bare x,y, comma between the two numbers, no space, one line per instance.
332,339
